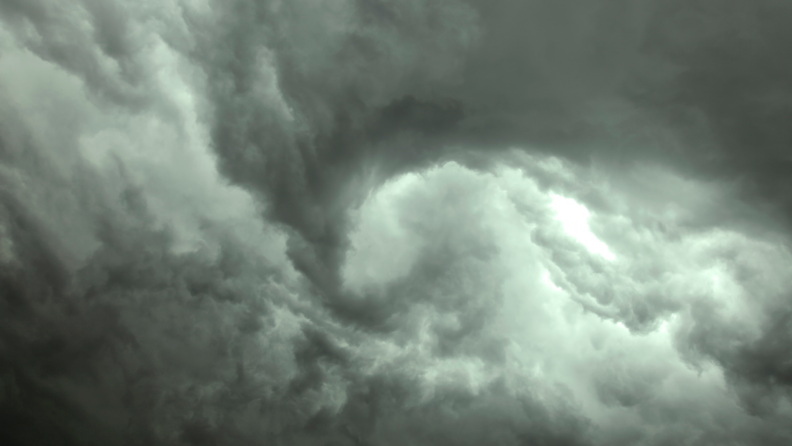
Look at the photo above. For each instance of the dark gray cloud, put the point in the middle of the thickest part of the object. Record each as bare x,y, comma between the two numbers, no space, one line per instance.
333,222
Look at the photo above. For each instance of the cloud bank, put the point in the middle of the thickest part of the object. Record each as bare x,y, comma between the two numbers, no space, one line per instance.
370,222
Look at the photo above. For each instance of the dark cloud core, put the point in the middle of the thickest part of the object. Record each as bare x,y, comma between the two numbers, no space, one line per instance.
376,222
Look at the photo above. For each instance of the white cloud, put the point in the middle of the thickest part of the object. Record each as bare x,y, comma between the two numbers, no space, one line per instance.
618,297
574,218
381,250
164,151
620,376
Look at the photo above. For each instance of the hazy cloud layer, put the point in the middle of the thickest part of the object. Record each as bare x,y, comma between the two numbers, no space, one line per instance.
370,222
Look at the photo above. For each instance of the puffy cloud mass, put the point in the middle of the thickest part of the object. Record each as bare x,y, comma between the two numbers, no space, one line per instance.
374,222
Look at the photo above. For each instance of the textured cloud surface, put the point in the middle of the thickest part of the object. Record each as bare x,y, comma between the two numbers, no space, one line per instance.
374,222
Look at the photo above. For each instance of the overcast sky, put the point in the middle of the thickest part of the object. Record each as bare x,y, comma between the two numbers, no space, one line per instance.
395,222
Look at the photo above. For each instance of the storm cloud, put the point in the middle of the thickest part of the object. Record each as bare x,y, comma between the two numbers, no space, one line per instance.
374,222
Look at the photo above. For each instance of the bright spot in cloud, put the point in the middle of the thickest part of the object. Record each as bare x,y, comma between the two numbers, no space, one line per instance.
573,216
